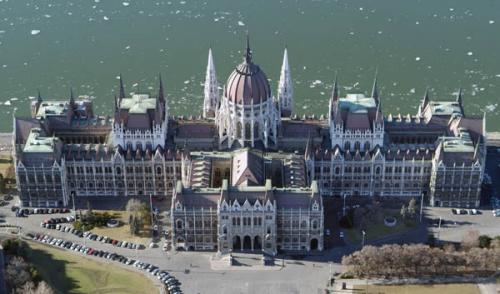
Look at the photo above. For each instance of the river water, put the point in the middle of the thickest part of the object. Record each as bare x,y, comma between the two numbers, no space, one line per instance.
53,45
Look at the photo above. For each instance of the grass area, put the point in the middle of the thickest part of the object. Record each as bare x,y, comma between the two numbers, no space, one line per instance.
5,163
122,232
417,289
71,273
379,229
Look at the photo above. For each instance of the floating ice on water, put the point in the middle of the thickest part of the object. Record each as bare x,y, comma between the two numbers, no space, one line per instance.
106,18
127,47
35,32
452,9
491,107
125,4
240,23
135,85
412,90
216,19
14,99
379,32
491,22
417,58
497,75
31,97
417,22
47,16
182,2
7,103
186,82
470,53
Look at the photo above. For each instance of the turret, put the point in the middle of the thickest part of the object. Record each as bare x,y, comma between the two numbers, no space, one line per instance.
424,103
161,93
375,94
211,92
122,88
285,88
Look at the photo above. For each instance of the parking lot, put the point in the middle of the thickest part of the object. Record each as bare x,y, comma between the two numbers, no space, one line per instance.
454,226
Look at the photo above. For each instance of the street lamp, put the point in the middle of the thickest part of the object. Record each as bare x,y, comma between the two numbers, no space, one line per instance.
151,210
439,229
364,234
421,205
345,195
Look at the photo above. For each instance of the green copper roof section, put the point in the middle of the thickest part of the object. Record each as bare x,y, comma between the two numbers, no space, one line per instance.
138,103
52,108
357,103
445,108
36,143
462,143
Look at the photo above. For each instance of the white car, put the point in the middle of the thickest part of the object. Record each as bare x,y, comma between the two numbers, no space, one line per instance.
341,235
327,232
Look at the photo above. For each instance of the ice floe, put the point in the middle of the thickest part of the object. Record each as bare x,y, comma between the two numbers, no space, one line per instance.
35,32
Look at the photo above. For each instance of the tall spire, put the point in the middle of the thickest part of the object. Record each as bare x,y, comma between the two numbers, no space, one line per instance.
426,99
375,86
71,98
285,88
459,96
116,104
378,114
248,53
335,89
211,90
39,97
122,88
161,94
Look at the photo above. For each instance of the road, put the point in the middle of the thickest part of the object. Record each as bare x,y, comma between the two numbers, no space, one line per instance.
194,269
199,277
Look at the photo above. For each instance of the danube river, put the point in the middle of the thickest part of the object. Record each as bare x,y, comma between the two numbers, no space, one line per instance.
53,45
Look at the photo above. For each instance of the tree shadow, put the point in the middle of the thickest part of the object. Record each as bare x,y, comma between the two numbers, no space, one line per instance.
52,271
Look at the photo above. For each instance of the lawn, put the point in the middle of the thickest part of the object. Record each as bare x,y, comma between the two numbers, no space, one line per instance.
122,232
417,289
379,229
71,273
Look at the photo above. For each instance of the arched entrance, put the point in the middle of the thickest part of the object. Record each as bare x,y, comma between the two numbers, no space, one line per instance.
314,244
236,243
247,243
257,243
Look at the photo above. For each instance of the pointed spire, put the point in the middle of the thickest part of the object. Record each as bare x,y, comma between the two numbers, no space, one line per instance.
211,90
309,147
72,97
39,97
248,53
378,114
116,104
335,89
426,99
459,96
161,94
375,86
122,88
285,89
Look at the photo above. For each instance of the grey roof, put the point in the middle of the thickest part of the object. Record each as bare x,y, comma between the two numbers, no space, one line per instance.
247,168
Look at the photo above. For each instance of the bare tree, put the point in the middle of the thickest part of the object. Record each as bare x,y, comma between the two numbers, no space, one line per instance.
16,272
470,239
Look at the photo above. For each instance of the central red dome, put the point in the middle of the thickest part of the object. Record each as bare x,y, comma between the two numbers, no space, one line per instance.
247,83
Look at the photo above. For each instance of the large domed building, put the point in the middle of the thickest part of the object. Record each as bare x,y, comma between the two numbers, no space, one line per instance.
247,115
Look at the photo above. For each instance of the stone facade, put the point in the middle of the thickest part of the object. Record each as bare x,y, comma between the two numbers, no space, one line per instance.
249,173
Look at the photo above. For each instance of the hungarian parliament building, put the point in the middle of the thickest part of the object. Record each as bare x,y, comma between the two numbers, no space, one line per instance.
249,174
